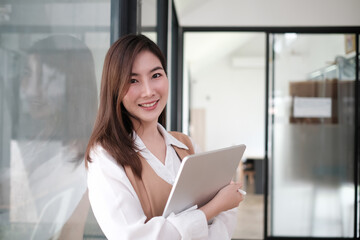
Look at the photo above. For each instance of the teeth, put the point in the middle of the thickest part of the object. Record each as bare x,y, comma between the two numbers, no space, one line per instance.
149,104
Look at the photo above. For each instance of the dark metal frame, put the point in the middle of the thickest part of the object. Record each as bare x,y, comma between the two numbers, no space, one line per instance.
162,17
357,130
176,74
176,89
123,18
269,119
313,29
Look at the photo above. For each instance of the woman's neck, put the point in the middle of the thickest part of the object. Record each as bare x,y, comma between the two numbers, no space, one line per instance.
153,140
147,130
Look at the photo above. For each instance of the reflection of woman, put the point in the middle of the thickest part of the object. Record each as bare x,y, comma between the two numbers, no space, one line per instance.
133,160
58,103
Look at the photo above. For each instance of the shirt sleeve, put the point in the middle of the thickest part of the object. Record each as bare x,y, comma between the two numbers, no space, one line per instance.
119,213
223,225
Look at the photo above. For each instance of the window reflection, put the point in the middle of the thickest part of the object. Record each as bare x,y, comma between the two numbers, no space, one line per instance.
58,102
51,57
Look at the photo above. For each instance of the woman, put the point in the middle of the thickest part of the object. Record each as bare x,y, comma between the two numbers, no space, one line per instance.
133,160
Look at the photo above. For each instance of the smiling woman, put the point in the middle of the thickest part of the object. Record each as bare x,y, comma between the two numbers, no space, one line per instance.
148,90
133,161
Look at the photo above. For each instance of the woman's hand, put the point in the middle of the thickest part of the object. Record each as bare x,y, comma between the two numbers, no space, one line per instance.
227,198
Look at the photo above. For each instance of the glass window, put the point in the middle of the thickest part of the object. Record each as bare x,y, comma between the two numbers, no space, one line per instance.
312,140
148,18
51,57
224,105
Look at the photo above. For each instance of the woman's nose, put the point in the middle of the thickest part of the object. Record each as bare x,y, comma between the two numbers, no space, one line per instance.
148,89
32,88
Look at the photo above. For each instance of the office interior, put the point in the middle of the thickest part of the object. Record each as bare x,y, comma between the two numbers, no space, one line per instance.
280,76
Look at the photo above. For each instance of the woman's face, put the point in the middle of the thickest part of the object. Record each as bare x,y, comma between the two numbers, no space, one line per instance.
148,91
42,89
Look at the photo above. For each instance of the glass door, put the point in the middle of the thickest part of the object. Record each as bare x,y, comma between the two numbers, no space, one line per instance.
311,191
51,58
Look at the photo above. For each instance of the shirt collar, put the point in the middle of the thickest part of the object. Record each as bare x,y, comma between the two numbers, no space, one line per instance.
169,140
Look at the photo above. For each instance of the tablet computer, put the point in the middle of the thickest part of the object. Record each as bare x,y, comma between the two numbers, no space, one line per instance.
201,176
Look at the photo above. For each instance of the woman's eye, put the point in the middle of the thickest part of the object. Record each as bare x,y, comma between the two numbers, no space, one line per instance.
156,75
133,81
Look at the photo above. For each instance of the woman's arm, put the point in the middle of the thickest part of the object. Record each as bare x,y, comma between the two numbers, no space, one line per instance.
224,223
119,212
226,199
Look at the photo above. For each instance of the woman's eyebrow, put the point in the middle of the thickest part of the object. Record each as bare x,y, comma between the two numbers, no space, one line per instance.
152,70
156,68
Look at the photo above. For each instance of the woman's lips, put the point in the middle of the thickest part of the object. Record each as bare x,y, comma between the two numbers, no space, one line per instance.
149,104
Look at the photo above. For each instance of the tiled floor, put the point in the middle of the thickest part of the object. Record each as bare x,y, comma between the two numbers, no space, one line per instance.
250,217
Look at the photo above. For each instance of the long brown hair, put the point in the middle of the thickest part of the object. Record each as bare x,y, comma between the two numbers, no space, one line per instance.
113,128
75,110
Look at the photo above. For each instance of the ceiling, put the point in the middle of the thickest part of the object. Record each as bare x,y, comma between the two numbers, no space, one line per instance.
268,13
202,48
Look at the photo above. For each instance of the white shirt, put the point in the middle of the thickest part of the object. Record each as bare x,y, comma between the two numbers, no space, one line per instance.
118,210
37,195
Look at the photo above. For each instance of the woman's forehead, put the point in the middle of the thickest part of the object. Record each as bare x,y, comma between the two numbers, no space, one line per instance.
146,61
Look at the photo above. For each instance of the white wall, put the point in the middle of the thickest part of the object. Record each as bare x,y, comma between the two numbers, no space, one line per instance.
234,103
233,97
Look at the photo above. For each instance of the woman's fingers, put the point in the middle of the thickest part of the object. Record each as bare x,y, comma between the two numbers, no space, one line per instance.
238,186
